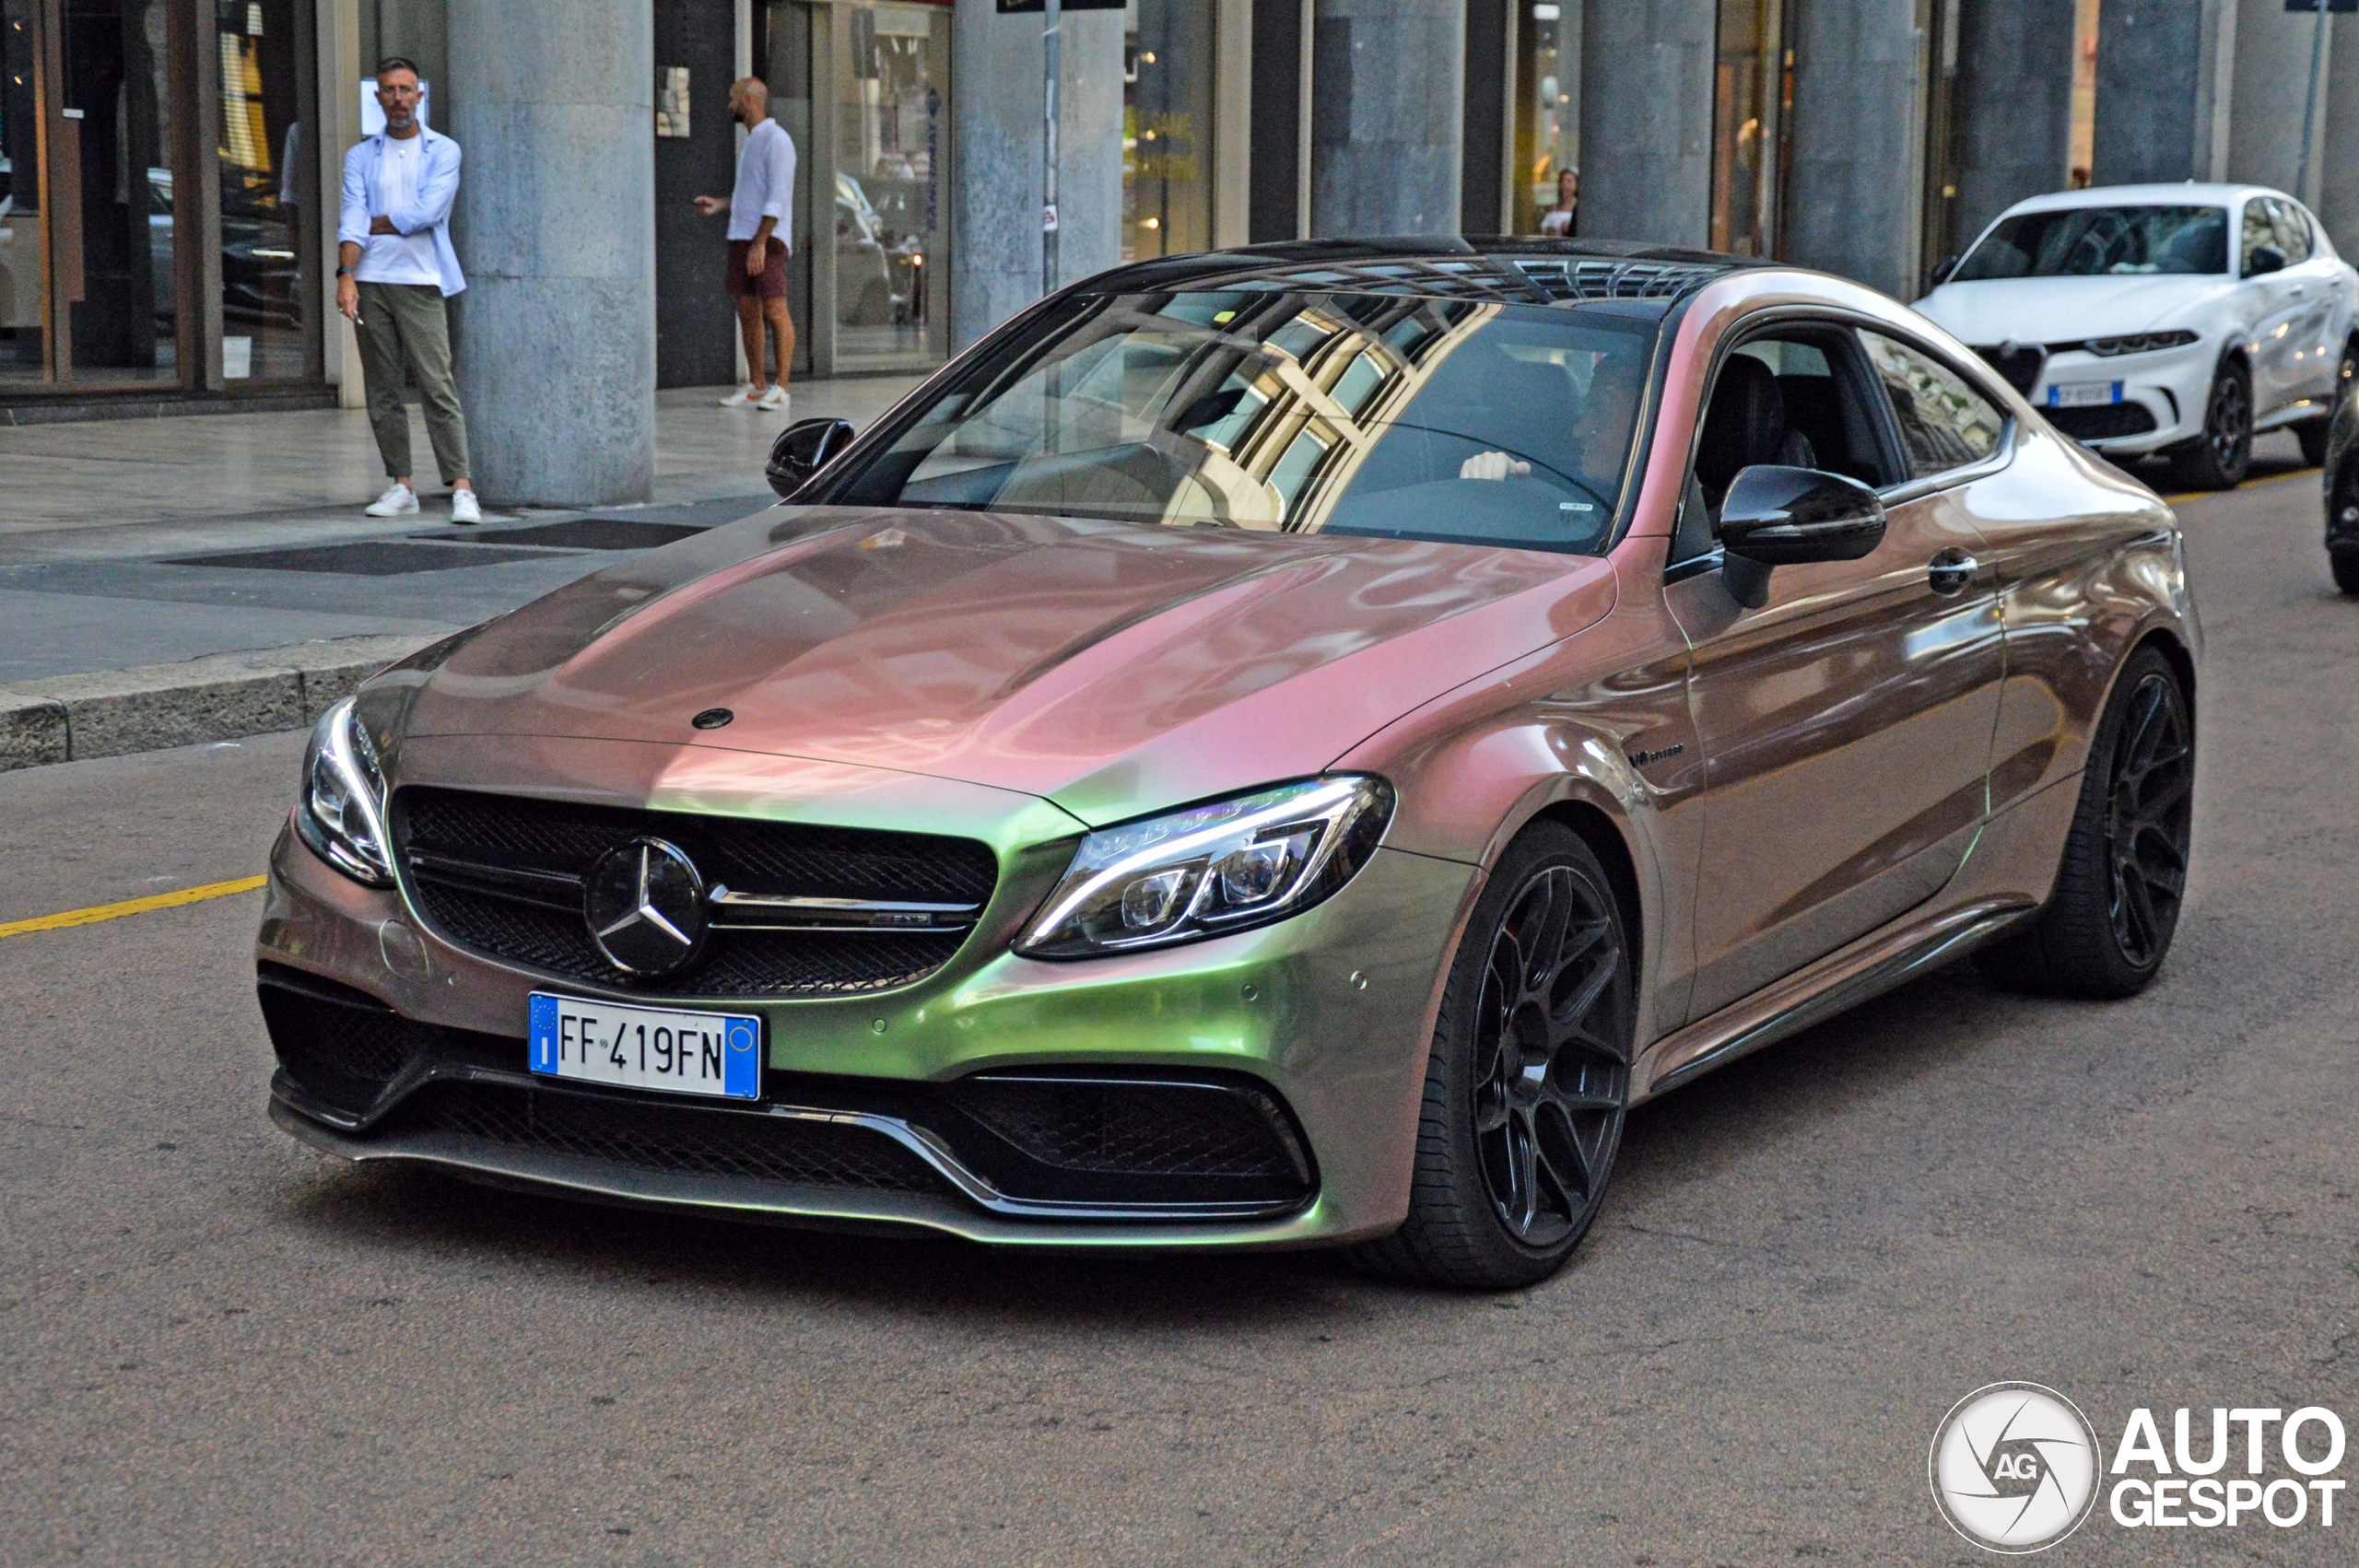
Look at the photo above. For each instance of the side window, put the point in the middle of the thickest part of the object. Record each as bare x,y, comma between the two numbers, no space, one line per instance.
1944,423
2293,232
2261,229
1797,397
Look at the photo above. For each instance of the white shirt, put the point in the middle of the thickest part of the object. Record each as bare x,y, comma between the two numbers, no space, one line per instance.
399,258
765,184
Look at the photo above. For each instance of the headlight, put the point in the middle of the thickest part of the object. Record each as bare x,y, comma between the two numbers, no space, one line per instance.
1211,869
342,814
2137,343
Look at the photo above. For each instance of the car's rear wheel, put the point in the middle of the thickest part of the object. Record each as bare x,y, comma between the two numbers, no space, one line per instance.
2217,459
2109,922
1529,1080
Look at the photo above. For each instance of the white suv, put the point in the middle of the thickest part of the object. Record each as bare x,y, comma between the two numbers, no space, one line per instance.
2163,319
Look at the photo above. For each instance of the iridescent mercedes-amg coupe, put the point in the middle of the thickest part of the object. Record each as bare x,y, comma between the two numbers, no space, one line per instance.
1274,747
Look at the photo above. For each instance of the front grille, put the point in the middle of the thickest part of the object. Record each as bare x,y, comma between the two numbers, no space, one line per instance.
1138,1129
539,929
2019,363
649,1137
2102,421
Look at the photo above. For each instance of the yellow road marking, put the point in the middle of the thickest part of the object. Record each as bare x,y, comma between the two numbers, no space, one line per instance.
98,912
2248,484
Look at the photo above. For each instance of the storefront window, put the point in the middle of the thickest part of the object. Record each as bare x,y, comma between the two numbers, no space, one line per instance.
1547,118
889,119
1167,121
20,225
267,211
1751,92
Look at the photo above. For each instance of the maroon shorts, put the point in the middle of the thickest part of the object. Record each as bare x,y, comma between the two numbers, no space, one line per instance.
771,285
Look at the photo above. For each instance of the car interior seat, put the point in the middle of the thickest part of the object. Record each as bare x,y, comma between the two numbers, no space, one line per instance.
1745,424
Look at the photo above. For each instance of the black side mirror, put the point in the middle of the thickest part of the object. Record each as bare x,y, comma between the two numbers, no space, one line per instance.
1941,273
802,449
2264,259
1789,517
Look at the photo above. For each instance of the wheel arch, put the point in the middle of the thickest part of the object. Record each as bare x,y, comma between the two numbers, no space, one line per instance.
1604,839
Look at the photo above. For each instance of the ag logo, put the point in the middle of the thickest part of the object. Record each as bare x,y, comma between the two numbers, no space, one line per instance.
2014,1467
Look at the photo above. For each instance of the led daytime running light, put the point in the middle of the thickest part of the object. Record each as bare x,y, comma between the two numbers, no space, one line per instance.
342,814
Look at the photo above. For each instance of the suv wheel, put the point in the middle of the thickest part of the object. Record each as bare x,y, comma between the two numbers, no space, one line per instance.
2217,459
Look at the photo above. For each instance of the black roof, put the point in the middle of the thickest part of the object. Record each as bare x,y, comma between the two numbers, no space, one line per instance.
1492,268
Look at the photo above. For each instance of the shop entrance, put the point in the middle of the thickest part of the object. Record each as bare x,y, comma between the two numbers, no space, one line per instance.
108,205
865,90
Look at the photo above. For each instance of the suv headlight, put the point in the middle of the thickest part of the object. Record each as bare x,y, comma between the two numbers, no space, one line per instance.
1211,869
2137,343
342,814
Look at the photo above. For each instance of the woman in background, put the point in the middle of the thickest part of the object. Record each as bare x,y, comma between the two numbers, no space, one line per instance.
1559,219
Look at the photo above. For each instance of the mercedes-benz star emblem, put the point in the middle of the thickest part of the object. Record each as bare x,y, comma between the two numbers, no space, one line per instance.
644,903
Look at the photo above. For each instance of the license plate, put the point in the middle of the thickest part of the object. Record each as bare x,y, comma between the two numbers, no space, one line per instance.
2082,394
646,1047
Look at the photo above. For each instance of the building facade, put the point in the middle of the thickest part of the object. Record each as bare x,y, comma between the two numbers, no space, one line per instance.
168,167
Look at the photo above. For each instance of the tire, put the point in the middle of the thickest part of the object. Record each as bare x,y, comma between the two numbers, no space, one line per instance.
2345,559
2109,925
2311,433
1529,1079
2218,459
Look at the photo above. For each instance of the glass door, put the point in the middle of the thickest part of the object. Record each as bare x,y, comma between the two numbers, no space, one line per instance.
892,75
24,288
1753,98
116,308
865,90
266,172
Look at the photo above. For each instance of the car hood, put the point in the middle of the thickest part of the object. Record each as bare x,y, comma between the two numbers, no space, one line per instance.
2062,309
1113,668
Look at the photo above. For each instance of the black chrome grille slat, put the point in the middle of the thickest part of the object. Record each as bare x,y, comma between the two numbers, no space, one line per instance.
798,911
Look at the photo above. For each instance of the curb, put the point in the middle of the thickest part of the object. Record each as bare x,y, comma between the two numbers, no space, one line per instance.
223,697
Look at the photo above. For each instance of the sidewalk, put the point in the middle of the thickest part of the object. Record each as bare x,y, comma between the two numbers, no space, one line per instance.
129,547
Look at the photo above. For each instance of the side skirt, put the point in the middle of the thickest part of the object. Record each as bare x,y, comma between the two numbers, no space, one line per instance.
1833,984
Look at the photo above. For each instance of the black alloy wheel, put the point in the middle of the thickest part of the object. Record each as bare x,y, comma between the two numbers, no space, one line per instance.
2109,923
1529,1082
2218,459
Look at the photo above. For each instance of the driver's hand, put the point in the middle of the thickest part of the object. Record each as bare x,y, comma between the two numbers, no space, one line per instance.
1491,466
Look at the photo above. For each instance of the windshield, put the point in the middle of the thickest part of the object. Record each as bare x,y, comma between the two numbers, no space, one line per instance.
2095,241
1375,415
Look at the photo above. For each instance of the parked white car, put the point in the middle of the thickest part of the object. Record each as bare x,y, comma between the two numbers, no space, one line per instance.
2163,319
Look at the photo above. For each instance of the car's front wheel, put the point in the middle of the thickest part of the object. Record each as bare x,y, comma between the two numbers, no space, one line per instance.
2217,459
2109,922
2312,433
1529,1080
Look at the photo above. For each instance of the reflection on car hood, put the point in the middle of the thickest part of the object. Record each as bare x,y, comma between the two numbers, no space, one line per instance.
2063,309
1114,668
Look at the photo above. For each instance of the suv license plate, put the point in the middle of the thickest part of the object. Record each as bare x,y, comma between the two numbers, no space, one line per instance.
646,1047
2084,394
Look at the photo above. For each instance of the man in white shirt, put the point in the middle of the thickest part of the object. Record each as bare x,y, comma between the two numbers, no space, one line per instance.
761,237
395,272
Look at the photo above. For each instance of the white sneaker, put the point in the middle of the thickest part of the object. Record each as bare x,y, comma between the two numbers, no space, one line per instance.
397,500
464,507
775,401
739,398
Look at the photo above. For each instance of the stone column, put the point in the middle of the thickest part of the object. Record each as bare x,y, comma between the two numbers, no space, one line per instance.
1386,116
1646,108
553,104
1856,175
995,198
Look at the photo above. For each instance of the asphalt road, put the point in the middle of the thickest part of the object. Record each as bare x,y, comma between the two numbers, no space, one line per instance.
217,1348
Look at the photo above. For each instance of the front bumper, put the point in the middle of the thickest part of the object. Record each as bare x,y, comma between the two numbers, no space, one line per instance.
1328,1016
2169,387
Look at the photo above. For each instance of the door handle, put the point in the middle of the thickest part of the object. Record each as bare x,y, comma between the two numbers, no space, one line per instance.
1951,571
2300,289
